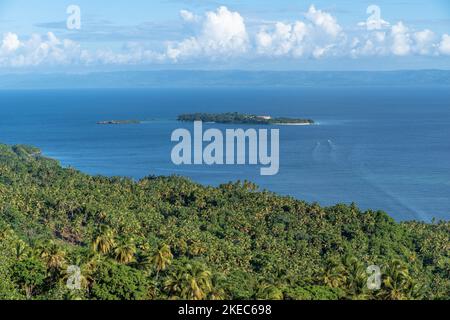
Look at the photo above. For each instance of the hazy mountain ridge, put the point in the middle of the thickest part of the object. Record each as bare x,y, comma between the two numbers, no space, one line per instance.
168,79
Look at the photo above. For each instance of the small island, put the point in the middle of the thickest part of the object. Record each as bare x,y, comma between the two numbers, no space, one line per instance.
117,122
238,118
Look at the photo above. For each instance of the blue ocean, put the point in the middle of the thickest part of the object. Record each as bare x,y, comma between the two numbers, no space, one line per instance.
382,148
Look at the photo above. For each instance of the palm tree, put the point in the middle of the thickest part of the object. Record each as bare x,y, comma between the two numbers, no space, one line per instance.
334,274
89,268
53,256
356,278
191,282
196,248
197,282
125,252
105,241
174,284
269,292
398,284
153,290
161,259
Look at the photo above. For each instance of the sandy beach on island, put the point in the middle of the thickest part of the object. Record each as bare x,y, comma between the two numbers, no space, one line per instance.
294,124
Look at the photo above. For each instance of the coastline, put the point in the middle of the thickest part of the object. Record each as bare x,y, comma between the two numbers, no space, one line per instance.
294,124
65,165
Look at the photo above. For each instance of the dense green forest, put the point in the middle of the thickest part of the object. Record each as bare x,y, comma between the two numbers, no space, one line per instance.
170,238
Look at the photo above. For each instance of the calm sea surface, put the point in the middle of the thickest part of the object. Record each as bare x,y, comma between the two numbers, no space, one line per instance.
382,148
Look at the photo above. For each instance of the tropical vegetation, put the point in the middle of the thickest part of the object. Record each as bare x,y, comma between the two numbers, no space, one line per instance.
239,118
68,235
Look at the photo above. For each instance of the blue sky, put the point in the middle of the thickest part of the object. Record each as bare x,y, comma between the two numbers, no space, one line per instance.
211,34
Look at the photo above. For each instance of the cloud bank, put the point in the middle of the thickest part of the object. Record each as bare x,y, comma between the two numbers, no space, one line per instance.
223,35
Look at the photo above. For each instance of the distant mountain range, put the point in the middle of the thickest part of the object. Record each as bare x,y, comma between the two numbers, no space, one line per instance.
171,78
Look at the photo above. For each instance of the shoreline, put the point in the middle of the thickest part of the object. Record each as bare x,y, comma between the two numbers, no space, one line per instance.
293,124
65,165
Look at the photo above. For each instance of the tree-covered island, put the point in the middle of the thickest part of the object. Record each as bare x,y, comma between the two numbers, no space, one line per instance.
117,122
239,118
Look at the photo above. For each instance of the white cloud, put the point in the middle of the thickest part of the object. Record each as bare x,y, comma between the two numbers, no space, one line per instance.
315,37
324,21
223,34
321,36
319,52
284,39
424,42
10,42
37,50
49,50
444,46
399,41
401,45
188,16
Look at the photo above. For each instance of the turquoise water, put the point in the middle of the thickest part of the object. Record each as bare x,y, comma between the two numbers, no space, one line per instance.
382,148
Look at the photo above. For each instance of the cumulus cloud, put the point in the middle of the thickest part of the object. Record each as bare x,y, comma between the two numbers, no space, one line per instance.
424,42
372,44
444,46
401,45
320,35
284,39
399,40
37,50
323,20
49,50
314,37
188,16
223,34
10,42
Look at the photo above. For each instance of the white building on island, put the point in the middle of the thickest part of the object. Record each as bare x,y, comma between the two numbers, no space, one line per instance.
264,117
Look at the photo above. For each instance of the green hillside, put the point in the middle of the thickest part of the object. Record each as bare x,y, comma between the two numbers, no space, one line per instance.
169,238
